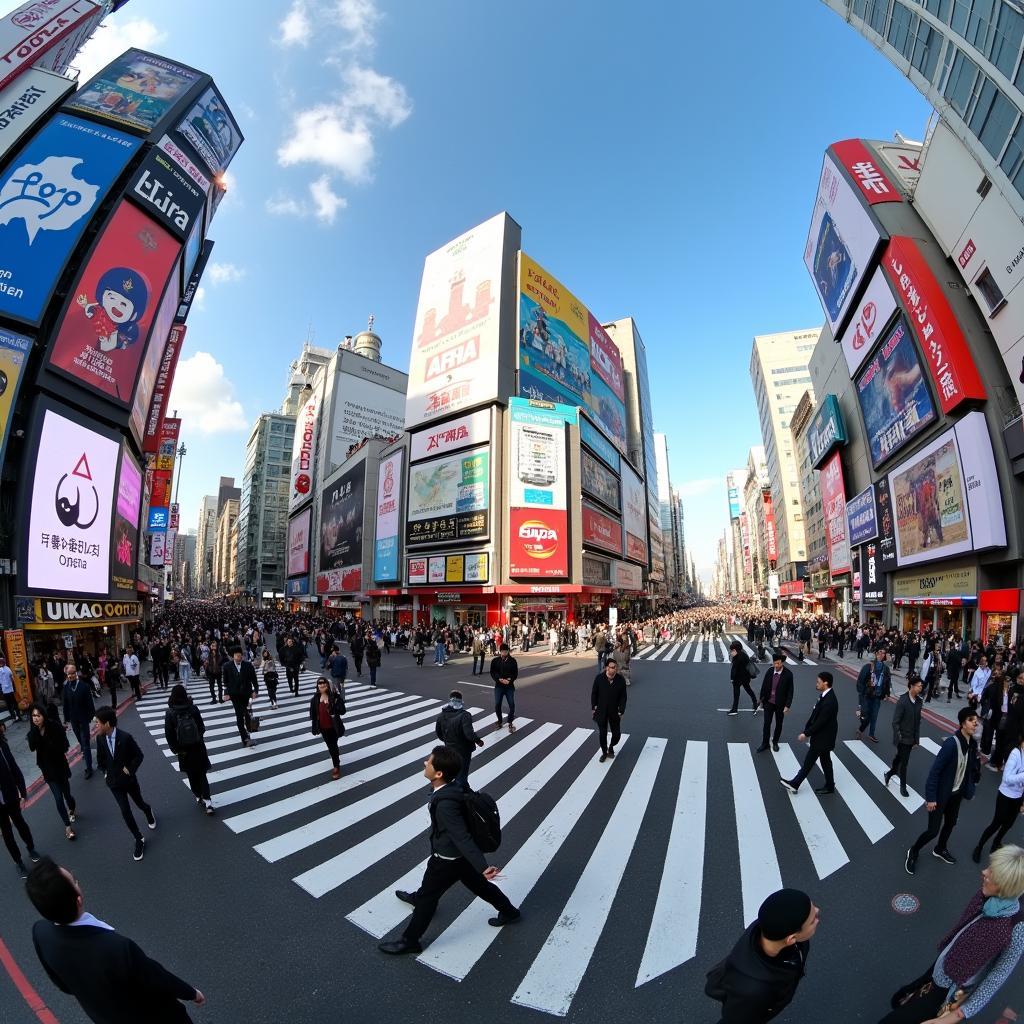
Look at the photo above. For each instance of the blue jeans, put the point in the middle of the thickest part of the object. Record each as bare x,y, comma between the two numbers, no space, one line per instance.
62,797
373,675
869,714
439,658
503,693
81,731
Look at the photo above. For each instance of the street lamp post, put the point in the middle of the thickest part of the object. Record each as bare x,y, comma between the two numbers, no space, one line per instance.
182,452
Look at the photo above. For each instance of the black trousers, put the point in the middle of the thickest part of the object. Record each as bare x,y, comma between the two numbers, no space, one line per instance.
197,780
121,796
10,819
11,700
136,686
954,685
216,681
605,722
820,754
331,740
160,674
292,675
901,761
478,658
988,731
941,823
241,706
439,877
736,687
1006,813
772,712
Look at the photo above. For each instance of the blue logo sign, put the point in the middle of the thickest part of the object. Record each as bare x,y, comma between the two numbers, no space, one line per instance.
535,496
862,517
48,196
158,519
298,588
598,443
826,431
385,559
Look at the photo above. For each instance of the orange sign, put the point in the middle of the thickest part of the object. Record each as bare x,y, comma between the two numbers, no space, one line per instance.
17,661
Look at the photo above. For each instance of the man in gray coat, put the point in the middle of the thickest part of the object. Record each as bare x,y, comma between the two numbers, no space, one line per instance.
454,728
906,730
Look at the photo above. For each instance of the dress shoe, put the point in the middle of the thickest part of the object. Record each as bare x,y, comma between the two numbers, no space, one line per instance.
786,784
88,773
400,947
503,919
335,773
888,778
611,751
761,749
603,758
859,735
874,739
904,791
406,897
775,747
825,790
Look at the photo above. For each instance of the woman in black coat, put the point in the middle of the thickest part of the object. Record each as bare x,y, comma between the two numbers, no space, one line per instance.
46,736
326,710
183,730
739,674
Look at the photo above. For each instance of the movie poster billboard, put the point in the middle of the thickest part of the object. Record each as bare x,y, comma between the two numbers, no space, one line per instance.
841,243
136,90
47,197
599,482
14,350
862,516
212,131
341,521
124,548
28,101
298,542
893,394
833,503
102,337
31,30
872,576
71,500
449,499
886,526
387,531
156,350
634,515
559,353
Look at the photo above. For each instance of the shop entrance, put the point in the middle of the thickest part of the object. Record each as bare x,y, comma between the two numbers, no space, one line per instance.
474,615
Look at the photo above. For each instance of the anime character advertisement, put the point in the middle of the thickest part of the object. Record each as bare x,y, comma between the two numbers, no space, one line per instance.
102,338
210,127
931,511
136,89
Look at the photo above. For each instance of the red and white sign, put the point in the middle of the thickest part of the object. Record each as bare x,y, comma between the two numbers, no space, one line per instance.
307,423
876,308
417,570
833,503
866,172
605,358
175,517
600,530
298,543
772,541
538,543
181,158
932,319
34,28
162,389
464,432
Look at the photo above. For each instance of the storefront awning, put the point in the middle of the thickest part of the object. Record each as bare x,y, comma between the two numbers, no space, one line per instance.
963,601
70,613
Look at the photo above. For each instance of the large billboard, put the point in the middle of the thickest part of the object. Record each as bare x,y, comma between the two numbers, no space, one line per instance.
66,547
862,516
46,198
893,395
162,388
124,550
449,499
192,284
298,542
155,352
833,503
466,431
984,500
389,502
456,360
137,90
34,28
598,443
26,102
102,338
886,526
871,317
14,350
210,128
168,194
866,172
341,521
826,431
601,530
840,243
599,482
307,424
634,515
872,576
363,405
561,347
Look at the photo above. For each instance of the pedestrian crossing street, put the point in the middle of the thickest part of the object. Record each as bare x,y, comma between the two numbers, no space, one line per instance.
694,649
371,825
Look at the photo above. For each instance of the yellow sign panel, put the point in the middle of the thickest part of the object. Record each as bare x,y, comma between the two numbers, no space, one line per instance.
453,569
17,662
556,299
961,582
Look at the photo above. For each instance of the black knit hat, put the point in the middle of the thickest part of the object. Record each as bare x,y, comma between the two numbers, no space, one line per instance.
783,913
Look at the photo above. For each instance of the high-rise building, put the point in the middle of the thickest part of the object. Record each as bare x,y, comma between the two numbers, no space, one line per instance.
226,491
222,546
205,538
682,584
665,514
778,371
734,483
183,568
810,491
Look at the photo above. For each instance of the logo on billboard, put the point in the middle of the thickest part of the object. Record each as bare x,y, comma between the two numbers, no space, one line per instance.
68,512
538,539
47,196
453,358
158,195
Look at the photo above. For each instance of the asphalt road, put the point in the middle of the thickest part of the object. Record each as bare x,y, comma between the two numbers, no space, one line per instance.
634,876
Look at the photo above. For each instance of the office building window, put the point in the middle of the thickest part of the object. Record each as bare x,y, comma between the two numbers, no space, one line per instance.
926,49
1006,39
938,8
1013,159
900,33
960,83
990,291
993,118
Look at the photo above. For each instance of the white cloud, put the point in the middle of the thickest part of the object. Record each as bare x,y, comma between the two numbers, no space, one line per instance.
369,92
112,39
296,27
326,201
225,273
326,135
359,19
199,302
205,398
283,205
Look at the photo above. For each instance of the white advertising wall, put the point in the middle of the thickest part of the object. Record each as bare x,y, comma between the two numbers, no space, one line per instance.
869,320
362,408
984,498
307,424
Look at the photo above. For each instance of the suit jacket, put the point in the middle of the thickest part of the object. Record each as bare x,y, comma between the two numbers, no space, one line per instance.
505,670
127,754
822,727
784,694
112,979
608,698
240,682
78,703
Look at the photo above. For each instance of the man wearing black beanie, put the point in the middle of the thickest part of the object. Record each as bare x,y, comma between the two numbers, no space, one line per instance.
759,978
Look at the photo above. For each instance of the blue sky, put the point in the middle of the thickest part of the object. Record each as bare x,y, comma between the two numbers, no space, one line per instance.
663,165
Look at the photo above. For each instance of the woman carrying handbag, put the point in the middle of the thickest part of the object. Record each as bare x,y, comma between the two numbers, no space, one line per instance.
326,710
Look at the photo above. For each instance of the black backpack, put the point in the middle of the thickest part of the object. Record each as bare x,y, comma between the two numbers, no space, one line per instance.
187,729
483,821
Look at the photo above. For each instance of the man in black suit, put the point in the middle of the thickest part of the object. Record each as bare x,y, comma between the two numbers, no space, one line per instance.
119,757
608,702
821,729
79,711
112,979
776,698
240,682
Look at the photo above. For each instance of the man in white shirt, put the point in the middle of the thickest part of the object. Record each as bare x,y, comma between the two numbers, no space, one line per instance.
132,670
7,689
980,679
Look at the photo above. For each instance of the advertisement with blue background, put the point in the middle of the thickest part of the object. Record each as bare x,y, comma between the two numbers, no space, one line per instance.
862,516
598,443
826,431
48,195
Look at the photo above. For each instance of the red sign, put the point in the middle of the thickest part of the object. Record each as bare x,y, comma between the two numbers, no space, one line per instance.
966,253
160,497
636,549
538,543
103,336
833,503
605,358
932,319
601,530
351,580
866,173
772,542
162,389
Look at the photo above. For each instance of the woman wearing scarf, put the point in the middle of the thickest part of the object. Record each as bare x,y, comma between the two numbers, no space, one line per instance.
976,956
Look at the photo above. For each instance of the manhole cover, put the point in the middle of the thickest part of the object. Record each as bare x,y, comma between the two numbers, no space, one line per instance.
905,903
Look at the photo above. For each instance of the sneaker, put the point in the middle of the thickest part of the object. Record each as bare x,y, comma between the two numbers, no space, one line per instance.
69,833
208,806
731,714
151,819
757,708
786,784
140,849
22,870
71,816
775,747
511,728
945,856
911,862
904,791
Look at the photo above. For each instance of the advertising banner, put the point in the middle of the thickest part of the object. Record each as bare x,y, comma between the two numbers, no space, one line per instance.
478,568
732,481
17,662
185,162
984,500
449,499
159,518
102,337
162,388
307,423
840,245
625,576
298,543
46,198
456,353
872,316
866,172
826,431
872,576
833,503
192,286
555,363
601,530
457,568
169,539
416,569
770,530
537,447
175,516
436,567
67,544
137,90
163,324
124,550
598,443
389,502
363,407
60,57
936,326
748,561
297,588
14,350
32,29
634,514
465,432
605,358
599,482
886,526
157,543
538,543
167,193
341,521
930,499
893,395
862,517
212,131
597,572
937,585
26,102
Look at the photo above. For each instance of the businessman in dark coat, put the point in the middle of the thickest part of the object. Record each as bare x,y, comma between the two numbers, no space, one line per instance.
608,702
776,698
79,710
119,758
112,979
241,684
821,730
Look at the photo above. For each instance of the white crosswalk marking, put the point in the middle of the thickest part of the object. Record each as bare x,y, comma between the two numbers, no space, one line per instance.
686,651
712,653
878,768
644,651
930,745
868,814
671,652
759,864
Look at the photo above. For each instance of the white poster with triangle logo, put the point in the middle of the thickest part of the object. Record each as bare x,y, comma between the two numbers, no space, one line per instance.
72,502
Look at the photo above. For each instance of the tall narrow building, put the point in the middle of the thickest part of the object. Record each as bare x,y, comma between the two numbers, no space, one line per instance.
671,555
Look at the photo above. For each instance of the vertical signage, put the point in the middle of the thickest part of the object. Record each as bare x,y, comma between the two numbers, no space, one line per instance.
389,498
124,549
833,497
17,662
304,449
14,350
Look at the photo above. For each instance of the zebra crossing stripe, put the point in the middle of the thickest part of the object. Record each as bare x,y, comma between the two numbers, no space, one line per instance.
326,877
868,814
878,767
930,745
383,912
672,938
672,651
759,864
556,973
822,842
712,654
724,651
686,651
745,646
461,945
644,651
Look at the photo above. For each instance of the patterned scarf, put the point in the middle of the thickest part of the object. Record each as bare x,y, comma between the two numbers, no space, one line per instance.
983,940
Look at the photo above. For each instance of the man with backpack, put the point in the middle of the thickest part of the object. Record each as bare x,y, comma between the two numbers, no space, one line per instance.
455,730
462,828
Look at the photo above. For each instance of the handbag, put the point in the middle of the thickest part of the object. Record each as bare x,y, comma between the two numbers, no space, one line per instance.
752,669
253,723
